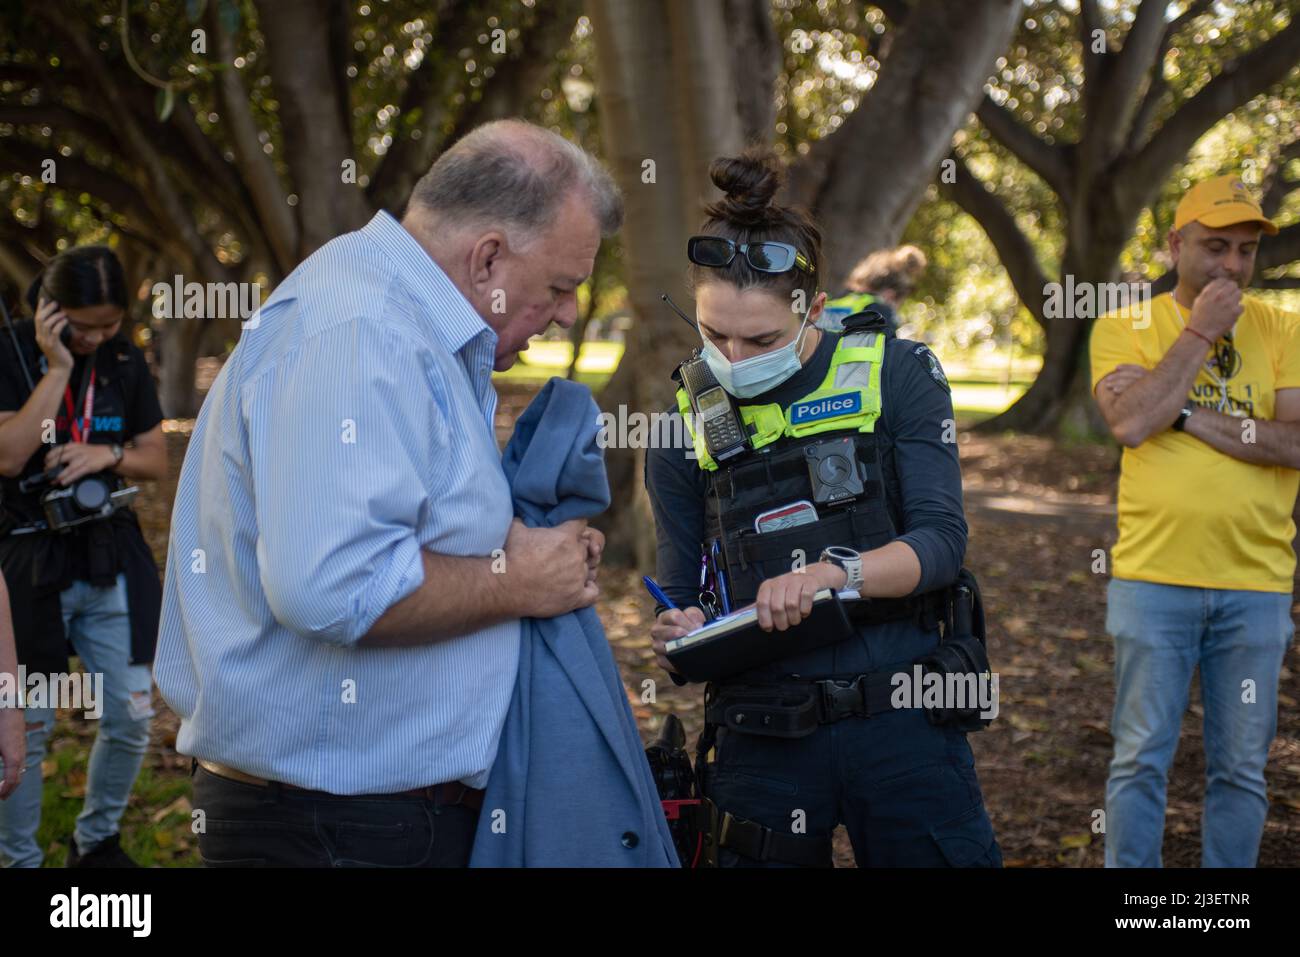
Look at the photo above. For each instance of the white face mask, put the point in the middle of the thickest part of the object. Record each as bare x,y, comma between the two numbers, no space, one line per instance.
755,375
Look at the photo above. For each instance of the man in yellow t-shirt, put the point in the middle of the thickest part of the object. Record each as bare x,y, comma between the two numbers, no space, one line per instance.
1202,388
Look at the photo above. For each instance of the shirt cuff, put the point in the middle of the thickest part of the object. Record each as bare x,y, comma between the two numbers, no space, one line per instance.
403,574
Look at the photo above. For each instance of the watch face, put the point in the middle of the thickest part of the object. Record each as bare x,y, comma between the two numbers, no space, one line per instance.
841,553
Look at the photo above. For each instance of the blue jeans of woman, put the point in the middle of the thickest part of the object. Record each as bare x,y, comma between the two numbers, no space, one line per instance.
98,624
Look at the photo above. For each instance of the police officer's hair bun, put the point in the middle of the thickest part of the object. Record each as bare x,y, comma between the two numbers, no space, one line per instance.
748,213
749,181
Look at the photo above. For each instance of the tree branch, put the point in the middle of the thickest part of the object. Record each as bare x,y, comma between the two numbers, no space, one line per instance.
62,117
164,199
1277,185
1237,84
1157,87
1090,21
316,143
1280,250
1046,159
518,76
1116,101
255,167
428,92
1012,245
924,94
76,175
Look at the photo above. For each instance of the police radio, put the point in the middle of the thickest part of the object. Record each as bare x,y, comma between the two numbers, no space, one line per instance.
716,417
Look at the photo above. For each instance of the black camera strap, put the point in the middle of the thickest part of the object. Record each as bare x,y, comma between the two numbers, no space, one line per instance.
18,352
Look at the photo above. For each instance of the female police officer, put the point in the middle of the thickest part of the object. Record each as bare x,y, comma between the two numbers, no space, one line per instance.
823,744
78,568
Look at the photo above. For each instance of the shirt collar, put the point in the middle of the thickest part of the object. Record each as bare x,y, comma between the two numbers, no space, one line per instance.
454,320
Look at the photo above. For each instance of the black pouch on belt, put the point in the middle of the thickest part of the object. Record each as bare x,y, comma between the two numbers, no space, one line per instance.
766,711
963,652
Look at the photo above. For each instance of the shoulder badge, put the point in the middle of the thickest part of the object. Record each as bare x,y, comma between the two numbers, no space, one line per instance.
930,362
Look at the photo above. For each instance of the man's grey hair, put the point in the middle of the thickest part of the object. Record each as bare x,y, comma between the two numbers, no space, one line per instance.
510,173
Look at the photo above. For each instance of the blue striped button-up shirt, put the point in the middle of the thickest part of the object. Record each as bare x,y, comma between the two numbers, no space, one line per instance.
351,427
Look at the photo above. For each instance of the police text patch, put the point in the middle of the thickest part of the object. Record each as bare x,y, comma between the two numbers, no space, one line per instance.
827,407
932,368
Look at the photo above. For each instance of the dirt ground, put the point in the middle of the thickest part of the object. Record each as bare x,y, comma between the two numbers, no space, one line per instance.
1037,511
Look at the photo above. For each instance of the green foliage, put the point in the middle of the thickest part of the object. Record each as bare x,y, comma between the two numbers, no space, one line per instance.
831,52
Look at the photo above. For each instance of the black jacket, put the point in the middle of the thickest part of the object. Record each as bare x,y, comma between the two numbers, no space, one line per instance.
38,566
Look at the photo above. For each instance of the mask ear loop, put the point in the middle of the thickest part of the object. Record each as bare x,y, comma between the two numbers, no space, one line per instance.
803,327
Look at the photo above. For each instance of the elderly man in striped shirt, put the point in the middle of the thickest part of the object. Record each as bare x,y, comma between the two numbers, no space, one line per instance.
340,625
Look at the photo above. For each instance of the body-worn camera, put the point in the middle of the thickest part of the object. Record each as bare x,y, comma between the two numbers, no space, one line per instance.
90,499
834,471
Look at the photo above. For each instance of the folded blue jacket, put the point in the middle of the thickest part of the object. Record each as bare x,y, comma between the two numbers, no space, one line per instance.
570,786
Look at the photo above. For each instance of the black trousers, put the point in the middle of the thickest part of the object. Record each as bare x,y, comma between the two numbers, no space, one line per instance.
905,790
246,825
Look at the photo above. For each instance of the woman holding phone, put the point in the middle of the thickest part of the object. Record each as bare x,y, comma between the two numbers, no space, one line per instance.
79,414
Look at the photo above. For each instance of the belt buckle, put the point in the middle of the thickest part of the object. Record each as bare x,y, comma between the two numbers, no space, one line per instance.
843,698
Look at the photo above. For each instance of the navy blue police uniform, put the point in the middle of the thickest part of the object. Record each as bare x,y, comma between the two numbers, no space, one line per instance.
905,789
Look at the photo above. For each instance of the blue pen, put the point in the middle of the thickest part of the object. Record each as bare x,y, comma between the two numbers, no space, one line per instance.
656,592
721,579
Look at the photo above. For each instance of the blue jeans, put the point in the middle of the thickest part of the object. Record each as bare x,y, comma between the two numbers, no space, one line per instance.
1162,633
98,624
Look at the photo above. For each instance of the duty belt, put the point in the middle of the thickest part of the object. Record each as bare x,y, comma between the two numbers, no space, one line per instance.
793,709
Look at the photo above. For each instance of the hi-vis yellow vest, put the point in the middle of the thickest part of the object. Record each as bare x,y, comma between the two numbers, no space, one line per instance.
847,398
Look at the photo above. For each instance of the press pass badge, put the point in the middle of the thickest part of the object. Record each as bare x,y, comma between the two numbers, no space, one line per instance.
801,512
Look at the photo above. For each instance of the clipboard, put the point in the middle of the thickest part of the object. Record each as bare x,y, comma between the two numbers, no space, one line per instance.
736,643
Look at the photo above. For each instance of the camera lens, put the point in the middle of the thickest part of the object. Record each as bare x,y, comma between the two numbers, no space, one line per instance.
90,494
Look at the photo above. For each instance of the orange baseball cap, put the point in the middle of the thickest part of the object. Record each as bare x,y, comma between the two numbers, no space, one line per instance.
1222,201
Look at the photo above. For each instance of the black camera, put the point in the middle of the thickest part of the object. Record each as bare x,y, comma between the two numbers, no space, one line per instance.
688,815
90,499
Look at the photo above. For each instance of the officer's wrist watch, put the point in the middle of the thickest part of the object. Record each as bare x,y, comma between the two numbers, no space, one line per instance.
848,559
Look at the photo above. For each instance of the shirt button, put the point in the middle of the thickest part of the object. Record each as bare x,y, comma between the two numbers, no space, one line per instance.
630,839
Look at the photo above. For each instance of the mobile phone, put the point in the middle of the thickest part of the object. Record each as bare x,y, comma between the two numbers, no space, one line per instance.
778,519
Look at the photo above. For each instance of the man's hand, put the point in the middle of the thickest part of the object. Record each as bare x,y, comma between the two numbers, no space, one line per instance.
549,569
672,623
1123,377
79,459
786,600
595,540
1217,308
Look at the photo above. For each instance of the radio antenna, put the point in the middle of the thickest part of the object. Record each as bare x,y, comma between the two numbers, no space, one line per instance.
685,318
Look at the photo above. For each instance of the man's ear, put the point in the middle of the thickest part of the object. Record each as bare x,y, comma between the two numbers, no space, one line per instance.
484,261
1176,240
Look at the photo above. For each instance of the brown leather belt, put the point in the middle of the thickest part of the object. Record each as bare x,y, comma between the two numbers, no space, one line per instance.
451,792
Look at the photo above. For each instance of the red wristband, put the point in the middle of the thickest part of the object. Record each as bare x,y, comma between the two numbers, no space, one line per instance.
1208,341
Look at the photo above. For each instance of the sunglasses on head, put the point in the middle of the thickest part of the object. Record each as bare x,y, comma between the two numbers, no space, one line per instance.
716,252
